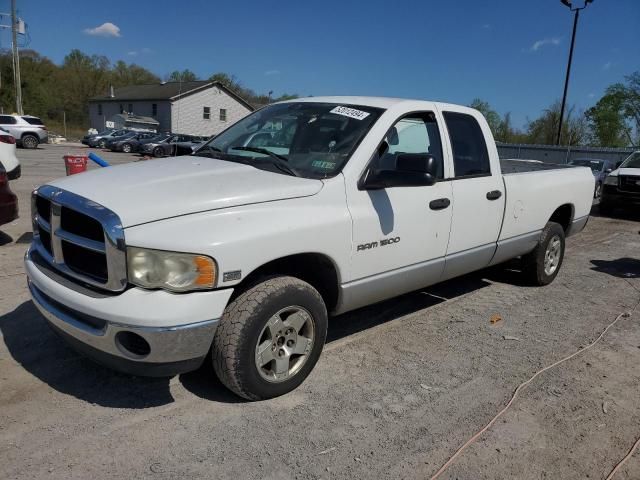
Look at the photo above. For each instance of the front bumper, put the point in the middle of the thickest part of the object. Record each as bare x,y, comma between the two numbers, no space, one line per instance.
137,331
614,197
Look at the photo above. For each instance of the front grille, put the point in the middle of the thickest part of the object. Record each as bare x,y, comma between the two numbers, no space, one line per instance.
80,238
629,184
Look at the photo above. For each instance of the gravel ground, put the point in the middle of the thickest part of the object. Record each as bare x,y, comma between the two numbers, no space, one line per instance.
399,388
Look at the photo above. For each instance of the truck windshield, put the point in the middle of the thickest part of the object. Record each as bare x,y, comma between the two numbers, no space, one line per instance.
633,161
312,140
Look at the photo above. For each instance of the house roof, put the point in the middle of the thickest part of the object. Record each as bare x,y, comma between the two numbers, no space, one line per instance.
165,91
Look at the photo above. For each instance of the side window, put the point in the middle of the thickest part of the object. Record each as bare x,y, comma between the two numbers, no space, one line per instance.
470,156
417,133
7,120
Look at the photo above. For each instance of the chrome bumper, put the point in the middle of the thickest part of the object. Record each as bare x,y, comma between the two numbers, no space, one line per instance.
171,350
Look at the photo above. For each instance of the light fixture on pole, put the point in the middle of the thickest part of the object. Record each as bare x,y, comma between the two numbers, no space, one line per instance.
569,4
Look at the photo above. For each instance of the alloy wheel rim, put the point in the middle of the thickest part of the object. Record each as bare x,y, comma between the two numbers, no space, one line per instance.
552,255
285,343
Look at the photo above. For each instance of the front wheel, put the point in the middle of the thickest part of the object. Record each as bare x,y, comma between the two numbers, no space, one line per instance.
598,191
102,144
542,265
270,338
158,152
30,141
126,148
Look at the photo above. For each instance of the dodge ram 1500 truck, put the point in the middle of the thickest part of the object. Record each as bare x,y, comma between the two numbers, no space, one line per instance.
305,208
621,188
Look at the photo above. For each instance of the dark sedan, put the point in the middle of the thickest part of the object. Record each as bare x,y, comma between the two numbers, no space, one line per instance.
172,145
600,168
130,142
8,200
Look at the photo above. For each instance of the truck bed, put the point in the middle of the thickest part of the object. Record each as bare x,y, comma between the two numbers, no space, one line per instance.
510,166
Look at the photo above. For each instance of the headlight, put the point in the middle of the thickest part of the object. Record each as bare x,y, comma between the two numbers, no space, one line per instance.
611,180
178,272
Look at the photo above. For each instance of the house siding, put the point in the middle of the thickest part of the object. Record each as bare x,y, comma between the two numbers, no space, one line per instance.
187,112
178,116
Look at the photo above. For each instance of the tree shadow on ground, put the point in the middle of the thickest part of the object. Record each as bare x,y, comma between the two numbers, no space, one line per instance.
621,268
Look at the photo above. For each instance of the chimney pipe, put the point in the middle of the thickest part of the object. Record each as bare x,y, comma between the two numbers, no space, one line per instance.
111,92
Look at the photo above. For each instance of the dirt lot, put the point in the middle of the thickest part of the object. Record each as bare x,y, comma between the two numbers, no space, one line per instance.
399,387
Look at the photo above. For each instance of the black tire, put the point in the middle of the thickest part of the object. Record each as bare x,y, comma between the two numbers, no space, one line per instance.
158,152
244,322
598,190
126,148
102,144
533,264
30,141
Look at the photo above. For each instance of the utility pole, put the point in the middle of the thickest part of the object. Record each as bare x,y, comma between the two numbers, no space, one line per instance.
16,58
568,3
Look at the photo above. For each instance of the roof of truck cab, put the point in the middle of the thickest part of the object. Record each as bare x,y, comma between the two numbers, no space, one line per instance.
379,102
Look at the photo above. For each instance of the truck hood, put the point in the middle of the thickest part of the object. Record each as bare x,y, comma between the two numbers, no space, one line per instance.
634,172
152,190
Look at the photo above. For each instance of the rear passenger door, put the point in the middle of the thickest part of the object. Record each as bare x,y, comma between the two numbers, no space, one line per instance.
478,194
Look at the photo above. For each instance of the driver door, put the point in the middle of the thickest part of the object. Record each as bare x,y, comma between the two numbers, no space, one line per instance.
400,234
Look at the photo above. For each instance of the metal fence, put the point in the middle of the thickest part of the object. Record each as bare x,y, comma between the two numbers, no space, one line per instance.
555,154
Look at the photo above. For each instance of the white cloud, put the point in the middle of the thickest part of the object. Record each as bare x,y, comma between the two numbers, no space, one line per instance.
269,73
544,42
107,29
607,66
142,51
486,26
132,53
591,95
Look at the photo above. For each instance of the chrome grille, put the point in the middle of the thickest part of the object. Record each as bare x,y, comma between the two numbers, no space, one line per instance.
79,237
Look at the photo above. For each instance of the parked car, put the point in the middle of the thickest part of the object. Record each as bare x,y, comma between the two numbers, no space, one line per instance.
8,199
28,130
238,254
131,142
621,188
100,140
89,136
600,168
8,157
169,145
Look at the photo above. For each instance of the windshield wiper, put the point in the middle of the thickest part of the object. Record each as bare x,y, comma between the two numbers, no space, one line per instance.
279,161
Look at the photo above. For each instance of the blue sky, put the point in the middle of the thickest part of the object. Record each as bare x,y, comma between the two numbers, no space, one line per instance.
511,53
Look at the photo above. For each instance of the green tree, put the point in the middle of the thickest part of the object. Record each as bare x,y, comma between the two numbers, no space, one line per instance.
131,74
185,75
544,129
492,117
607,120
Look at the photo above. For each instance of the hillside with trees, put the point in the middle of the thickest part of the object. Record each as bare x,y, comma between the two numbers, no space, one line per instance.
49,89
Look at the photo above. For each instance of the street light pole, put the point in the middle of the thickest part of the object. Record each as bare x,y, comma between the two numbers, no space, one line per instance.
573,41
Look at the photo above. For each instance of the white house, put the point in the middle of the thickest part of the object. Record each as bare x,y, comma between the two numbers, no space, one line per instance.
198,108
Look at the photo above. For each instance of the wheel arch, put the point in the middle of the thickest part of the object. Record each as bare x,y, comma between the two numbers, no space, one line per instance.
317,269
563,215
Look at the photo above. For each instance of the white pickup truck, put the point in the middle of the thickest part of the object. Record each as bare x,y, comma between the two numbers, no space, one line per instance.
305,208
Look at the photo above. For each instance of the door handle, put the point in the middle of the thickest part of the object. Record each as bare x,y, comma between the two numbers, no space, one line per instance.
494,195
439,204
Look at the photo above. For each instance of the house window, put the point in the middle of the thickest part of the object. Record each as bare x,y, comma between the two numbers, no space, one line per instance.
121,109
131,108
223,114
154,109
99,109
206,113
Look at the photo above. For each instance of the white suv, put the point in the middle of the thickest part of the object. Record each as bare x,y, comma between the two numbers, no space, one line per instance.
29,131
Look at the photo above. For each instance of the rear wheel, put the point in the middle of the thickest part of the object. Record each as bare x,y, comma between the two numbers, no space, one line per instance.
542,265
270,338
30,141
126,148
102,144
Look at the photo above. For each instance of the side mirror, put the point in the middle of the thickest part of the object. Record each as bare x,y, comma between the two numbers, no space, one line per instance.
412,170
608,171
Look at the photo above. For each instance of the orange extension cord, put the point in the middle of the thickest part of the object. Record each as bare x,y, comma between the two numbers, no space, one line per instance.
524,384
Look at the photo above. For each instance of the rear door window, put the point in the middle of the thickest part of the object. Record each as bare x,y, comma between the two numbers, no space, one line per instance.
33,120
7,120
470,155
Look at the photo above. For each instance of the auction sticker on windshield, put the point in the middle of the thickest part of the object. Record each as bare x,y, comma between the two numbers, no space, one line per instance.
350,112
